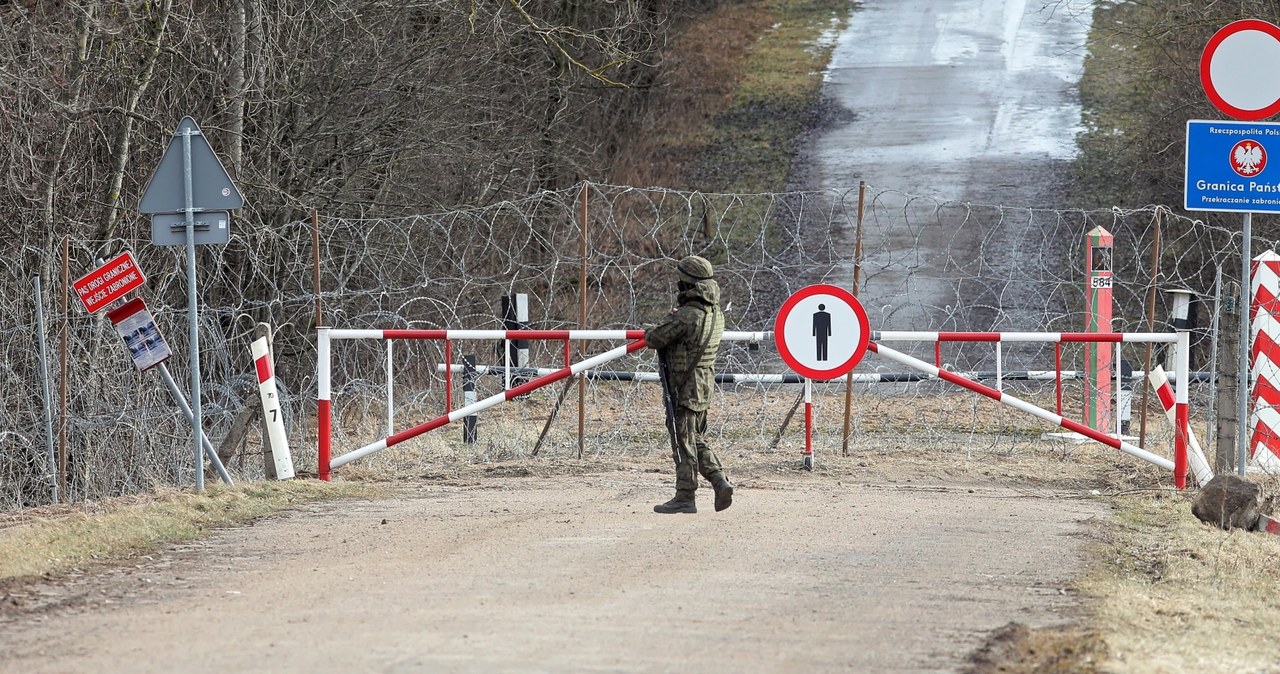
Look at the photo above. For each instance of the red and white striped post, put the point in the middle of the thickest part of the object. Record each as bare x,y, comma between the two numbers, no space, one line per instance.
1168,400
1182,411
324,404
808,423
1264,321
281,458
1098,303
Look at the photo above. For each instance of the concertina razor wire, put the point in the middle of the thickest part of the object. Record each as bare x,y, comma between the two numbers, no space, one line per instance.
927,264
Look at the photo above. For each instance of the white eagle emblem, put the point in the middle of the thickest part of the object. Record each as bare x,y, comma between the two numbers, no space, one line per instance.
1248,158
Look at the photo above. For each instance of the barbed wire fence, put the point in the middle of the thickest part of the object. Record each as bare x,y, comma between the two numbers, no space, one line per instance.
926,265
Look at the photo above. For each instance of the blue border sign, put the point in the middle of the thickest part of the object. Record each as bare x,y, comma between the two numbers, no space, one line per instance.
1229,166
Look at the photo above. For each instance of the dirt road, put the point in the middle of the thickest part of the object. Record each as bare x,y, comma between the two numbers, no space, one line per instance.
807,572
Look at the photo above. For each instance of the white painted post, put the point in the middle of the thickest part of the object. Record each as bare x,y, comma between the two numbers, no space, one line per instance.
391,403
324,406
469,376
271,412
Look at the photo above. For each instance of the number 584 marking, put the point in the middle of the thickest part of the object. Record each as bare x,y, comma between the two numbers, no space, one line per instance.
1100,282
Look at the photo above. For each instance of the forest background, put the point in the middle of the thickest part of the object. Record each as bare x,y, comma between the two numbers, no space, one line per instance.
381,108
384,108
388,108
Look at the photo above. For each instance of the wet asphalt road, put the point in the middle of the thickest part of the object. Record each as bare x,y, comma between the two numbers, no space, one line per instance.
957,99
942,104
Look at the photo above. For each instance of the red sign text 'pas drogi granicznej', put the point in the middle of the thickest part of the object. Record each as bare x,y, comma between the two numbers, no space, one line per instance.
108,283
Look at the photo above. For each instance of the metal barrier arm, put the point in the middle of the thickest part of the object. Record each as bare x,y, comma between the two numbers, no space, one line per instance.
1019,404
563,373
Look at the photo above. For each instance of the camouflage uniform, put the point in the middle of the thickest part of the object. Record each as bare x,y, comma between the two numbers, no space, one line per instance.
690,340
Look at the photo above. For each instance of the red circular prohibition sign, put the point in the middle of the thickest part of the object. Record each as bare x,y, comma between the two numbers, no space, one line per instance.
1206,62
837,294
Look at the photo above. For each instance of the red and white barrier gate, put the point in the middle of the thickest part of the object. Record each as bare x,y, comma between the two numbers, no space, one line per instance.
1181,410
1180,403
325,336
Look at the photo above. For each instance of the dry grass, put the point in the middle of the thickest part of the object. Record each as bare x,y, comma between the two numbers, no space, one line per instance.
730,104
53,540
1164,594
1171,594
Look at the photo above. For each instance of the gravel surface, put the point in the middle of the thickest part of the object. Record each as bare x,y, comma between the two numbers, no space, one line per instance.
845,569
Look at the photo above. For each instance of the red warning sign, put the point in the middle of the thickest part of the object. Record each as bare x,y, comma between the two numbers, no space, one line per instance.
108,283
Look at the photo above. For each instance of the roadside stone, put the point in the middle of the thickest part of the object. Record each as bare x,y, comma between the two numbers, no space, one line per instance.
1228,502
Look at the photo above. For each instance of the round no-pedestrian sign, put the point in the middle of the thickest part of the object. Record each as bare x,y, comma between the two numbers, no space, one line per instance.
821,331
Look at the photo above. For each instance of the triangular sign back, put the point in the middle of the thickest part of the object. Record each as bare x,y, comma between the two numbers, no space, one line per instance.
211,186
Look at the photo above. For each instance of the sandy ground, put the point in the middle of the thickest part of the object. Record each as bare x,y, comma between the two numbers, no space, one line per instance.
831,570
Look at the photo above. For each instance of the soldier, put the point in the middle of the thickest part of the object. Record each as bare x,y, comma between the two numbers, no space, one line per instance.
689,341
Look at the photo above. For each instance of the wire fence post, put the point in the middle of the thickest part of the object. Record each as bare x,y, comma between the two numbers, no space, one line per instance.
582,317
62,357
1151,322
469,398
46,397
857,273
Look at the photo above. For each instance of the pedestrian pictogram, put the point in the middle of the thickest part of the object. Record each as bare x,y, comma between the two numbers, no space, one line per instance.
821,331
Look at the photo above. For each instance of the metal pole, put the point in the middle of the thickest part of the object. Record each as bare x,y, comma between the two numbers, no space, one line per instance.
197,417
62,357
857,272
1242,384
808,424
181,400
469,398
582,319
1151,324
315,264
50,459
1211,430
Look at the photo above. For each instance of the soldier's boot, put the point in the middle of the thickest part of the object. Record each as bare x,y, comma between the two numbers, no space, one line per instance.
724,492
679,504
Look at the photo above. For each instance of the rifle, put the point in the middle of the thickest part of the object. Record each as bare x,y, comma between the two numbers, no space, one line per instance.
669,401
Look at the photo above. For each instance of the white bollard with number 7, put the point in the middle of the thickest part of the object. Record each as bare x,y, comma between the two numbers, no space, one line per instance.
271,410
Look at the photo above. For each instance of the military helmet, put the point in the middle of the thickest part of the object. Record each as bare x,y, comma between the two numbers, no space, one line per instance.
693,269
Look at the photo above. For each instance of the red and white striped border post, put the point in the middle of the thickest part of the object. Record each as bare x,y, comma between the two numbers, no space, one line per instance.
1264,321
1195,457
1098,303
